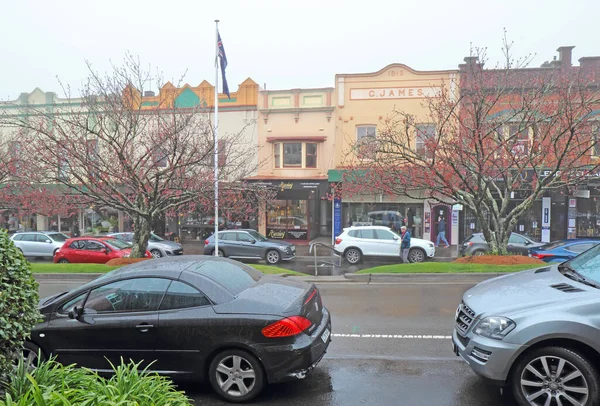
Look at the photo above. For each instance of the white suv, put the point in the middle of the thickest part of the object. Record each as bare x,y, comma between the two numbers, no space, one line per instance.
357,242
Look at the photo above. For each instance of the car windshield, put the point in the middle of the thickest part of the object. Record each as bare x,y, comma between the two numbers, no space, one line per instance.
155,238
587,264
257,236
58,237
117,244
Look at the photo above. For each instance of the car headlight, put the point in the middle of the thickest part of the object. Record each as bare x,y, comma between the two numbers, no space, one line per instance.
126,255
494,327
282,247
431,245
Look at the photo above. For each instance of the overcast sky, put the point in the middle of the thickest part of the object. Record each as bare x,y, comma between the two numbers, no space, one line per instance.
281,43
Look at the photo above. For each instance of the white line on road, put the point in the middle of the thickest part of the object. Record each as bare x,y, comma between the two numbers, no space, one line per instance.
397,336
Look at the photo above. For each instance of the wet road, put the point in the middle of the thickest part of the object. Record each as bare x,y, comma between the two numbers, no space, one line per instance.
390,346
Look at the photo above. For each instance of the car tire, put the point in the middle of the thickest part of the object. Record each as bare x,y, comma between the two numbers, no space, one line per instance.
272,257
478,253
353,256
524,382
221,253
63,261
156,253
32,355
416,255
236,375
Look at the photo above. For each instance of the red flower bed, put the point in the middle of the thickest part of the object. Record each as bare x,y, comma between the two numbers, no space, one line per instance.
125,261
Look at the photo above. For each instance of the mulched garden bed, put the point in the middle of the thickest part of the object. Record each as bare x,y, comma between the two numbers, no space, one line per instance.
500,260
125,261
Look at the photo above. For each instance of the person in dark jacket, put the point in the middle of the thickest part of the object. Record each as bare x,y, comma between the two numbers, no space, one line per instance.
441,232
404,244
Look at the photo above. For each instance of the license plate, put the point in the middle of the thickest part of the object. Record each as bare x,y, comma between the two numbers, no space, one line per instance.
325,335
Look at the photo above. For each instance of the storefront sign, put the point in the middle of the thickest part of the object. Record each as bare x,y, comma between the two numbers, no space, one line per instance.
337,217
394,93
454,218
572,202
546,211
293,184
278,234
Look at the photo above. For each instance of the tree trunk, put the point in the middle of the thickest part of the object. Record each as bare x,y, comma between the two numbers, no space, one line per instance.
141,235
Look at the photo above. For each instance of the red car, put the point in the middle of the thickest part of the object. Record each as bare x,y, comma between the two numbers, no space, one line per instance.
93,250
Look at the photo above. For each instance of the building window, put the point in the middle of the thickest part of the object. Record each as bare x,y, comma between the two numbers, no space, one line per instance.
365,141
311,155
596,139
295,155
292,155
519,139
277,155
425,134
63,163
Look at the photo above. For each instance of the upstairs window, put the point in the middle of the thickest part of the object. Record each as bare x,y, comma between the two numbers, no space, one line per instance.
425,133
295,155
366,136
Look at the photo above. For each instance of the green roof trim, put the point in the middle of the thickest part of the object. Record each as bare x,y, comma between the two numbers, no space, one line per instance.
228,100
337,175
187,98
149,104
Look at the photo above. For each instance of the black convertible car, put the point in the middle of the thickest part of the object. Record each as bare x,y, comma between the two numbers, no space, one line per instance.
192,317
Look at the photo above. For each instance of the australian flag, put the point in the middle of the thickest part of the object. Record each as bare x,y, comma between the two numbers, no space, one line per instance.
223,63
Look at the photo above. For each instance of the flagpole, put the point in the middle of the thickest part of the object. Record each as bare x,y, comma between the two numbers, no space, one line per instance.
216,159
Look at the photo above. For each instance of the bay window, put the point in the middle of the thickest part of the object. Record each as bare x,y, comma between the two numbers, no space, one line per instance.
295,155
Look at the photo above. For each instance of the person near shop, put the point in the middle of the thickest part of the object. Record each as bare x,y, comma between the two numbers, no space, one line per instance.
441,232
404,244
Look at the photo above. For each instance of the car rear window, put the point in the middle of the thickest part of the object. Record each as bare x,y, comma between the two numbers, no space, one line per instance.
233,277
58,237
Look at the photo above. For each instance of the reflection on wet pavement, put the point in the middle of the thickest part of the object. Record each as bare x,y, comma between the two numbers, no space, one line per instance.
377,382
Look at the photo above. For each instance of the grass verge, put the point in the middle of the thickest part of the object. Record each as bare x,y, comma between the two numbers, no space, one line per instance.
445,267
38,267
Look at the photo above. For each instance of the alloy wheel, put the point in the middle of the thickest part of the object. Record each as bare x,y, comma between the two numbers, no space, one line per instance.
353,256
272,257
30,359
478,253
156,254
416,255
235,376
552,380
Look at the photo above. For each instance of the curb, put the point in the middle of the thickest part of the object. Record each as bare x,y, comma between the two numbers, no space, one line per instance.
345,278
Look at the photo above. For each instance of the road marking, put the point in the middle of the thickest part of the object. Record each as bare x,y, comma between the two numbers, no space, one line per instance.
396,336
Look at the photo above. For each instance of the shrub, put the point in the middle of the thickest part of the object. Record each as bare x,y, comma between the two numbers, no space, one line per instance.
54,384
18,303
125,261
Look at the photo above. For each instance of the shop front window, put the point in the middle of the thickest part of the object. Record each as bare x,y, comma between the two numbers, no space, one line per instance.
288,220
393,215
588,217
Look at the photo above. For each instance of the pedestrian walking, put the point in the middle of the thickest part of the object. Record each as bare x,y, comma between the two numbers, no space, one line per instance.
441,232
404,244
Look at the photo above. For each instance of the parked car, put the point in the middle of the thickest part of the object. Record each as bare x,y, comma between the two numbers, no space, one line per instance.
517,244
158,247
191,317
39,243
536,331
563,250
250,244
357,242
90,250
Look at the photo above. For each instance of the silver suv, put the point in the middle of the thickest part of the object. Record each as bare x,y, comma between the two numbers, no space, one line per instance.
537,332
39,243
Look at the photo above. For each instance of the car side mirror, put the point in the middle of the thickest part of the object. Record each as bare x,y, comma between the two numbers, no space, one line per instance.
75,313
253,242
49,241
396,238
104,250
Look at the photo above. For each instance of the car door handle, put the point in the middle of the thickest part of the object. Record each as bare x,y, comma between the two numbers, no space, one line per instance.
144,327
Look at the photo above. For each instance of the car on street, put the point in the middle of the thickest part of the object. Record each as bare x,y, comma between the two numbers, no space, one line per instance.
562,250
536,332
189,317
355,243
250,244
39,243
93,250
517,244
158,247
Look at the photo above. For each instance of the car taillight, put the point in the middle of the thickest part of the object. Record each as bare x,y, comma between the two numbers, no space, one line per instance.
205,242
540,256
338,241
468,244
290,326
